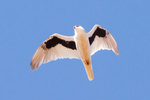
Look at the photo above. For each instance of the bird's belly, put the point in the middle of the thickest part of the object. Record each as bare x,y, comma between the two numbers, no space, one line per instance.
83,47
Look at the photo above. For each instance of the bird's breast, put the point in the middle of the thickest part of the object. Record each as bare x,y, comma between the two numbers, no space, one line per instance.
82,44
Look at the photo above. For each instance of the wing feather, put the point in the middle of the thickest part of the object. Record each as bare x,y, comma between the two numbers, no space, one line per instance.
100,38
55,47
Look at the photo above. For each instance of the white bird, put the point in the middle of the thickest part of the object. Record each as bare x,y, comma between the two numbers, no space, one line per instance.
80,46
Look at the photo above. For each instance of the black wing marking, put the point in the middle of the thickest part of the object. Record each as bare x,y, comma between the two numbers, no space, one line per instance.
98,32
55,40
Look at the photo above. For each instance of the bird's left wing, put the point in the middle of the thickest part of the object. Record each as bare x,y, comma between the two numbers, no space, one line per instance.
100,38
55,47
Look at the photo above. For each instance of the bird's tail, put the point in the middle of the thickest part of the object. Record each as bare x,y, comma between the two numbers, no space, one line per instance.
88,68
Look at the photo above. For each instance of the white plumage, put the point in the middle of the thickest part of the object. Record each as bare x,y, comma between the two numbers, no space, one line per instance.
105,43
80,46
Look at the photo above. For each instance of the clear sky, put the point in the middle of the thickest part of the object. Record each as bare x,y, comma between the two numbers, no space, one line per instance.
25,24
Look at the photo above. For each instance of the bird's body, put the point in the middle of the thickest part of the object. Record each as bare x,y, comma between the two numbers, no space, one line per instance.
80,46
83,47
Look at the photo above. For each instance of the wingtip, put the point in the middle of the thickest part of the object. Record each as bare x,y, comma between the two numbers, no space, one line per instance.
32,67
117,52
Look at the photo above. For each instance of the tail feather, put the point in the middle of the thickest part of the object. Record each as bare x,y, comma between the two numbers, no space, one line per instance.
89,71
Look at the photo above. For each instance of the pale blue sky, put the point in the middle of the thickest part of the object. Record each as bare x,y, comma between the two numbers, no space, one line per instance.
25,24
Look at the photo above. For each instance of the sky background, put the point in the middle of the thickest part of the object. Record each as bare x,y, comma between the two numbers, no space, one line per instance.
25,24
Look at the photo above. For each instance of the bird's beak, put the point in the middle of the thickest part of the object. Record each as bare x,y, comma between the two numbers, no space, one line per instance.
76,26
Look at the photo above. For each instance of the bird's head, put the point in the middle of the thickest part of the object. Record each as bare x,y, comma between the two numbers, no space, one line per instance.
79,29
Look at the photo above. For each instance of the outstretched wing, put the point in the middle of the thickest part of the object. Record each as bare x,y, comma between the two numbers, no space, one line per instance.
55,47
100,38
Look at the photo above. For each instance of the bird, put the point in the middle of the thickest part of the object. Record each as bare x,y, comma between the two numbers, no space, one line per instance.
80,46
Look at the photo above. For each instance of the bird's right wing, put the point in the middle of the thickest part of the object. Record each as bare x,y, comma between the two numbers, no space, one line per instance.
100,38
55,47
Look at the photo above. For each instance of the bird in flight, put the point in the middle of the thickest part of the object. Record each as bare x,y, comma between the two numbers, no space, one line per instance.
80,46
